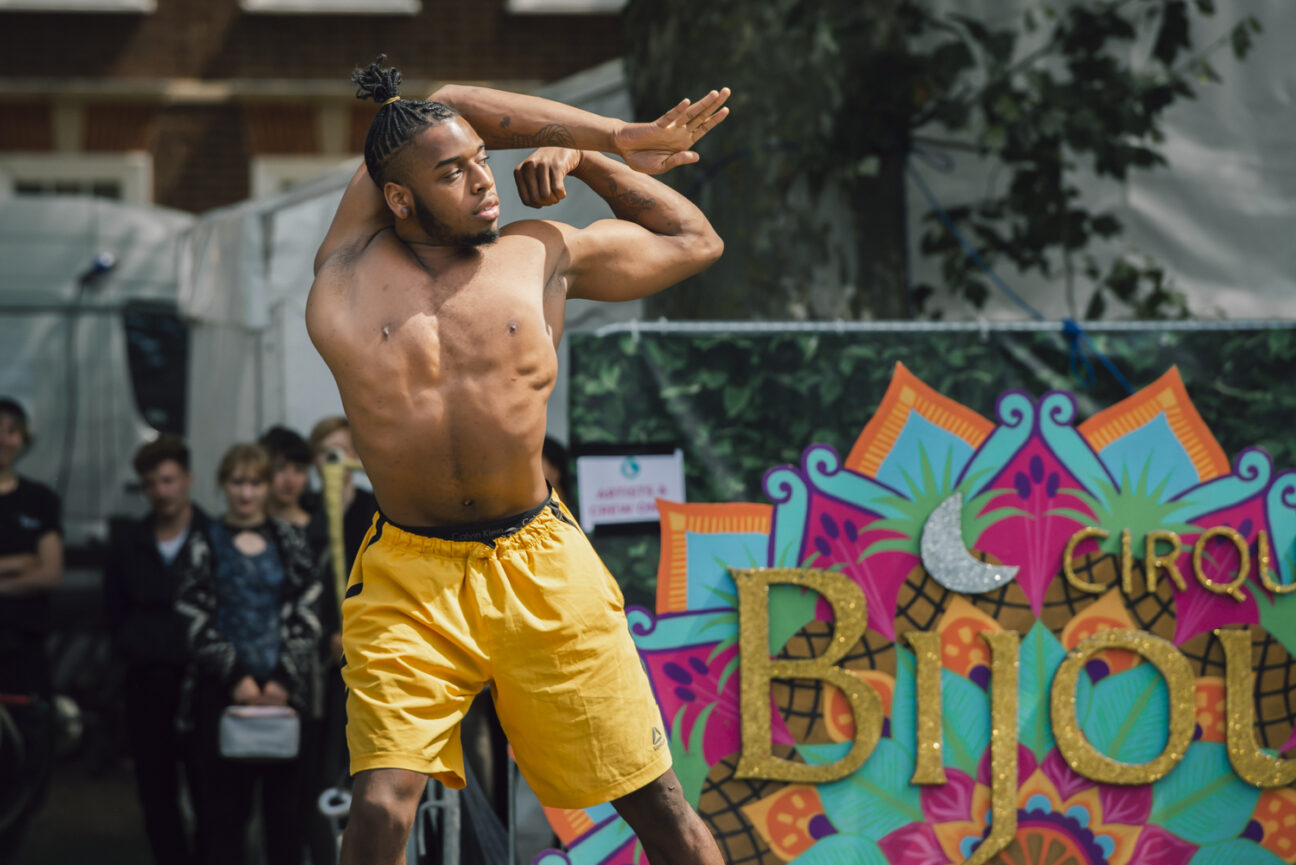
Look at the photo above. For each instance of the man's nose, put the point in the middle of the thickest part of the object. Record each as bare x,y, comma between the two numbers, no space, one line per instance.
482,178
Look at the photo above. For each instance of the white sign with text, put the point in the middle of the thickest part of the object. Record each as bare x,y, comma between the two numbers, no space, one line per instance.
624,488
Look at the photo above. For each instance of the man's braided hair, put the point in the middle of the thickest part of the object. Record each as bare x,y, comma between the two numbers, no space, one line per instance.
397,122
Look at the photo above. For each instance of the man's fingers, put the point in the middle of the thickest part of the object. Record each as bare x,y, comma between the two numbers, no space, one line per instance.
712,122
684,157
557,191
676,113
707,105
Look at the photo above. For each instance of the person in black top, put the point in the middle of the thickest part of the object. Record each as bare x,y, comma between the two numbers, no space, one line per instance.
148,636
31,566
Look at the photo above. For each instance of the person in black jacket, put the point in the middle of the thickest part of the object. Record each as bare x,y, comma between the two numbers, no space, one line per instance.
253,631
31,567
148,636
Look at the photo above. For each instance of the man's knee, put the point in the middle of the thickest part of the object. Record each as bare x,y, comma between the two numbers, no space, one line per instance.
386,800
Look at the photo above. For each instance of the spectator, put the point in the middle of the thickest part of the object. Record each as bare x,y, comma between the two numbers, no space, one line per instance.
554,464
141,575
31,566
254,636
330,439
290,462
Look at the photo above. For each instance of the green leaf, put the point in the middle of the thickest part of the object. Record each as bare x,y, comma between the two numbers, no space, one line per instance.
874,800
1203,800
1234,852
1130,715
842,849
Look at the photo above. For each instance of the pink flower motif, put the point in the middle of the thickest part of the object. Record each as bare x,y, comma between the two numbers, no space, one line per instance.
1066,781
1128,805
949,802
1036,480
913,844
1156,846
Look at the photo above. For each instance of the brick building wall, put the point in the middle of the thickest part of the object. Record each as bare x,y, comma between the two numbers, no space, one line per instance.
203,86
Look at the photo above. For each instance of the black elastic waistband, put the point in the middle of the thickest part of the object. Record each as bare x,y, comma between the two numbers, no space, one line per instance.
483,533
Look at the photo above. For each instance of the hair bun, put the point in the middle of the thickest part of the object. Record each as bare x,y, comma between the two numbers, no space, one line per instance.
375,82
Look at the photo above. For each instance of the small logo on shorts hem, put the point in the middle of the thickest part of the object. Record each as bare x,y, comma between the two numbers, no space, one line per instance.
658,739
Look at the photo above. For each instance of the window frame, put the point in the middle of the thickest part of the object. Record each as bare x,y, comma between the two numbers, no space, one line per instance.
126,6
331,7
132,169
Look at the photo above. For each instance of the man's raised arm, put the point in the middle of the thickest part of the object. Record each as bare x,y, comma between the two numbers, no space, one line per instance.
507,120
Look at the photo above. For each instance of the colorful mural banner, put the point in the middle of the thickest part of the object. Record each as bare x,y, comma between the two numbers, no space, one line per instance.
987,554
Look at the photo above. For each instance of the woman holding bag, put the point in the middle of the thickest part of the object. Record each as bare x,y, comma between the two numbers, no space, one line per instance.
254,634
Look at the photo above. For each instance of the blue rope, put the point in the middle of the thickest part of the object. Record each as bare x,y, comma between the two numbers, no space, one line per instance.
1077,340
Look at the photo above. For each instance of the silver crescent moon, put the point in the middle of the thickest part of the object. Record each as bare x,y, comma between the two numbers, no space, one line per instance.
946,558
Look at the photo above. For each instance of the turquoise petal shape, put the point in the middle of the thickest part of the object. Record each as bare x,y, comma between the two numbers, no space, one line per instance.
1057,413
904,711
1129,717
1233,853
1017,419
877,798
787,489
1251,473
965,722
1203,800
823,467
842,850
1039,657
1280,508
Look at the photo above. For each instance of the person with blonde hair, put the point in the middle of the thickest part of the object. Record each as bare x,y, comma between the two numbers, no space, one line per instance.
254,634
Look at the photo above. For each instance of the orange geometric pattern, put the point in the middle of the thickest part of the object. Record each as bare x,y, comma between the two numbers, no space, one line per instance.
783,819
1108,613
1209,707
1167,395
907,393
1276,814
838,716
678,520
960,631
568,824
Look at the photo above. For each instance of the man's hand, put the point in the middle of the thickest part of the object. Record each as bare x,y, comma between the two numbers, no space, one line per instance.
657,147
540,176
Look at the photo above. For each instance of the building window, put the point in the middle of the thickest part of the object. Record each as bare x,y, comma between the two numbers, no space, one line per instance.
78,5
335,7
564,7
126,177
274,174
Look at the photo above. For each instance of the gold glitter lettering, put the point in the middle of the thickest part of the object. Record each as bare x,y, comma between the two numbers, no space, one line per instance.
1068,566
1083,757
1151,561
1266,575
1199,551
1003,745
927,768
758,668
1252,765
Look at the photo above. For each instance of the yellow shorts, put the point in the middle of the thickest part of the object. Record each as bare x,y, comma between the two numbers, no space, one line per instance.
428,622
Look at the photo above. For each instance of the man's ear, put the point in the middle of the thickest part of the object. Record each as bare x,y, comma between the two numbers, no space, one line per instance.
399,199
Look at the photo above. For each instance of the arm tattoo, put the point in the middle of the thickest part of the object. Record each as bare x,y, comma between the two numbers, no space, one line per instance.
553,135
628,204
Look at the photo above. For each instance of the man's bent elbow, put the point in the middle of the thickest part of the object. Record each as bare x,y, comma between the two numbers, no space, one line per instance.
707,249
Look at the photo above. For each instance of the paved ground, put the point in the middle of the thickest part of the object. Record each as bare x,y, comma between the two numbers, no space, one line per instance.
88,817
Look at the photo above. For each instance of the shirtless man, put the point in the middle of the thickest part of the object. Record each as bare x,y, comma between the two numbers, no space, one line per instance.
441,330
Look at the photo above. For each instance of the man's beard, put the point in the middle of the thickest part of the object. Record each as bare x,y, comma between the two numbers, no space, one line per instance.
440,234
